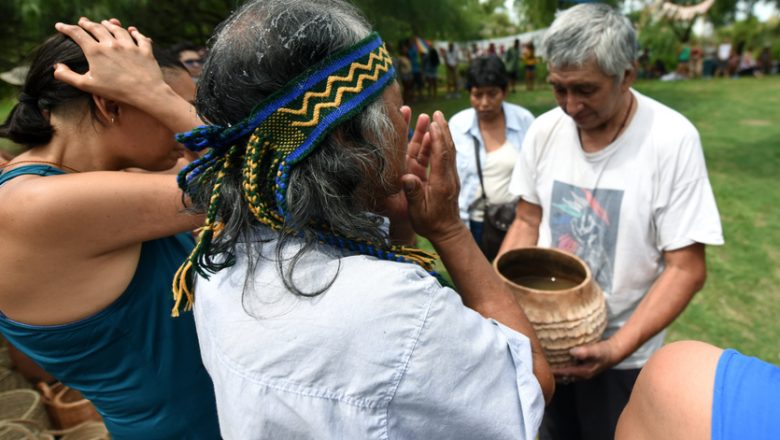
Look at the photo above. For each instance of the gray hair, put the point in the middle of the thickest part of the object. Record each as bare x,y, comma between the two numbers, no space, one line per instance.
591,32
255,53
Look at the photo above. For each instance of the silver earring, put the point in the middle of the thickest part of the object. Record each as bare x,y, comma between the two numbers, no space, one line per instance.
112,119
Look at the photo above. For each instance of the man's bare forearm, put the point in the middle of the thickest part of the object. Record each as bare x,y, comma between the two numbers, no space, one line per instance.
483,291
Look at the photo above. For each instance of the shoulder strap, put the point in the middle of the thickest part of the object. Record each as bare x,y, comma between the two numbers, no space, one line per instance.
38,170
479,167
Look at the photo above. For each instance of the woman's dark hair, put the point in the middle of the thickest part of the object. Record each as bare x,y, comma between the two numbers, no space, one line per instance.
26,124
487,71
255,53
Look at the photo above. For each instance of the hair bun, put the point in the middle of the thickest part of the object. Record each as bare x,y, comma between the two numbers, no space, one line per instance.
24,98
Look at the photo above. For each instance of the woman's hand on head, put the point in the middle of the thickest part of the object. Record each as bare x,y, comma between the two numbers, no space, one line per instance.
432,196
122,66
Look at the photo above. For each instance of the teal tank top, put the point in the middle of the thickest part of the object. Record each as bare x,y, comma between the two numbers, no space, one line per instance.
140,368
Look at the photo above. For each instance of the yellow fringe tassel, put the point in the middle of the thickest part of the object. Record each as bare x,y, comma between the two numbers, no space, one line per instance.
181,289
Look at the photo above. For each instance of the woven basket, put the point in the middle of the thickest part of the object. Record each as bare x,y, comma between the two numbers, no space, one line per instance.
23,405
11,380
5,357
563,319
23,430
67,407
86,431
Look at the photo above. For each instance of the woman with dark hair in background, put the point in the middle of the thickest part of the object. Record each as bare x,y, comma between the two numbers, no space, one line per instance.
313,321
89,251
488,137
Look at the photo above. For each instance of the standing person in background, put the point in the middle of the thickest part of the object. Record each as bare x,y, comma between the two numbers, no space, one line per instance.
431,63
697,57
418,83
190,56
765,61
529,64
618,179
473,53
710,64
89,251
312,323
724,55
683,68
404,68
487,137
512,61
453,60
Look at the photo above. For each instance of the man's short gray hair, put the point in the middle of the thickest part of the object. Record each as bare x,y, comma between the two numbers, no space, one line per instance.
591,32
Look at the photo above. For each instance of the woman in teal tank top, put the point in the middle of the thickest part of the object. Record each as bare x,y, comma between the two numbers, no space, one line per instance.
88,250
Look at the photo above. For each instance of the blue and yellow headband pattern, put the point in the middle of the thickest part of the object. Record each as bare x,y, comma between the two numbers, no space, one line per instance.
283,130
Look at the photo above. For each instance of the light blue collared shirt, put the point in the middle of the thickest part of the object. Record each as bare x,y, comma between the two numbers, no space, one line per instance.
464,128
385,353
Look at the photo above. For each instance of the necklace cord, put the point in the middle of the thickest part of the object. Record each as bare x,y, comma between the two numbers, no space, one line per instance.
622,124
625,118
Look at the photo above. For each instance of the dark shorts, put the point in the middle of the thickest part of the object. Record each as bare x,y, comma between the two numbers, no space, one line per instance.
417,79
589,409
746,398
530,68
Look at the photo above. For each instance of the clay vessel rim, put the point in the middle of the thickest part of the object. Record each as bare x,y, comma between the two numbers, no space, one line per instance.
585,281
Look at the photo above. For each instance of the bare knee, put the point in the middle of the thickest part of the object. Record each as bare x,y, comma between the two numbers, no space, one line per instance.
672,398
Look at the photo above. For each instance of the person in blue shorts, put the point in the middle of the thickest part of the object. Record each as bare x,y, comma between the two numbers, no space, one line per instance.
89,250
692,390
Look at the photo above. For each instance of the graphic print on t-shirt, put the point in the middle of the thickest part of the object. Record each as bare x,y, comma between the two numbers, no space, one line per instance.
585,222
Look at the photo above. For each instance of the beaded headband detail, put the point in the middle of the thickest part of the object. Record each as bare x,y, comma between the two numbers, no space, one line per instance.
282,131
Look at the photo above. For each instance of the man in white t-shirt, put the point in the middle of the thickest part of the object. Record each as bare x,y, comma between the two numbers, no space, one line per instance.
618,179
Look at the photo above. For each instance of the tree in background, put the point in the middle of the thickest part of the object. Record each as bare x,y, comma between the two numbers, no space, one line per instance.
537,14
437,19
26,23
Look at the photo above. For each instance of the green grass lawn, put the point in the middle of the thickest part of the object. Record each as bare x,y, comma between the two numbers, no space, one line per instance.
740,128
739,122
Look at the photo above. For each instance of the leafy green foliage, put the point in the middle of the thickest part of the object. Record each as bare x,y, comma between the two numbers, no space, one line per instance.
436,19
538,14
660,38
28,22
755,34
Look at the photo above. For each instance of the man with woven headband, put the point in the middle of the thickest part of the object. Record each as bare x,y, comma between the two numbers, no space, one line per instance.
315,320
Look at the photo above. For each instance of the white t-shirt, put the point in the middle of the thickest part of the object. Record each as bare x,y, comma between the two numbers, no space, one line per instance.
724,51
620,208
385,352
497,172
452,58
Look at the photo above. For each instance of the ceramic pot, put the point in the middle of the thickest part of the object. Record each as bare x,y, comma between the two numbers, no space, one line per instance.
565,305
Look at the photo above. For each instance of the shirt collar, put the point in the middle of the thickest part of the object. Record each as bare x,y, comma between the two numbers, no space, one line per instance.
512,124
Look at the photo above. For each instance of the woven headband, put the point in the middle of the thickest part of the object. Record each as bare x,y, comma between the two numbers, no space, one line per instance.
296,118
283,130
